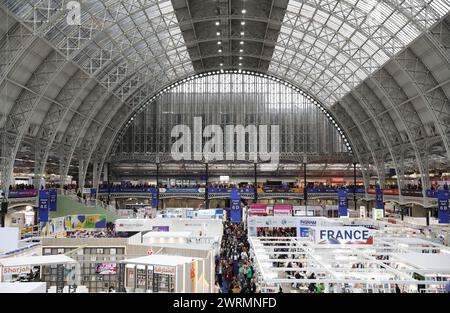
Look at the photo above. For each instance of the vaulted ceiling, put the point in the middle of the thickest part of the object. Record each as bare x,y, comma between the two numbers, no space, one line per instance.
382,68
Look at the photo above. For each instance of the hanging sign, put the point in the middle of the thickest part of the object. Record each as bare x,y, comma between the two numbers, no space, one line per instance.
235,206
342,199
43,206
379,198
52,199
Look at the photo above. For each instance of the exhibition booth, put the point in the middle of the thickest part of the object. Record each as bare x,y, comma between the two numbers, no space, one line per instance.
351,259
198,227
167,273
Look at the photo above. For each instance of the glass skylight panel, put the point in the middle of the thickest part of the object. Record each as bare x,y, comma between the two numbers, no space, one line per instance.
391,37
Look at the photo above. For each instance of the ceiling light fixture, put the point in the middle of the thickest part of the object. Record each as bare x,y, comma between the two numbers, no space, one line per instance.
241,50
242,33
218,33
219,42
244,11
243,23
241,42
240,58
217,23
220,50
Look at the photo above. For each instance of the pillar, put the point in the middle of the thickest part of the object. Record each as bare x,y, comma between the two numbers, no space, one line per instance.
354,185
256,182
206,186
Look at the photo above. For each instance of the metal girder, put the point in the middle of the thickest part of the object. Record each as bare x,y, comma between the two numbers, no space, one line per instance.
436,101
394,96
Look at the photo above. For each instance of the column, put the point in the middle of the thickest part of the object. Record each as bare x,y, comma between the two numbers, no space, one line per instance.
206,186
305,192
81,173
256,183
354,185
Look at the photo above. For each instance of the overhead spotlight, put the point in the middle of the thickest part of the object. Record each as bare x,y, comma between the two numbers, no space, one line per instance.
242,33
241,43
221,64
244,11
241,50
218,33
243,23
219,42
240,58
217,23
220,50
240,64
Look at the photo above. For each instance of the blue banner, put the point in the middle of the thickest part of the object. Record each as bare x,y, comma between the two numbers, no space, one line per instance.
52,200
235,204
342,203
443,211
379,198
155,198
43,206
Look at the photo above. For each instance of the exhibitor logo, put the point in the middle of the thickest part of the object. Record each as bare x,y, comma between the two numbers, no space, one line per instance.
235,142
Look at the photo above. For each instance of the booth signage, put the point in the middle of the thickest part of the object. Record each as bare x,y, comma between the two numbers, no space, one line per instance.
16,270
443,210
168,270
342,200
343,235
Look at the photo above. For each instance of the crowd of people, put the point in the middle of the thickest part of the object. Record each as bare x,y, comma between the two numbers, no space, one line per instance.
234,265
276,232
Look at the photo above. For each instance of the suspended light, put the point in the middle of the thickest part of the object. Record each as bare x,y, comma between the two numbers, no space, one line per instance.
241,43
240,58
244,11
219,42
218,33
220,50
242,33
217,23
243,23
241,50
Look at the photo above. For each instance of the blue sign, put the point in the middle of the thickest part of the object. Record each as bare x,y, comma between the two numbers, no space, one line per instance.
43,206
379,198
304,232
443,211
52,199
93,192
235,210
342,203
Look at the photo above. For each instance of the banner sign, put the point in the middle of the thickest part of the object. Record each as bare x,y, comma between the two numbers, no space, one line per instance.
43,206
235,204
28,193
94,192
60,225
155,198
342,203
282,210
343,235
52,199
228,190
379,198
443,210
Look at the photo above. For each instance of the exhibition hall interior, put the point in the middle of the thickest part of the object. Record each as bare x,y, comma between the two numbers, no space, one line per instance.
225,146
